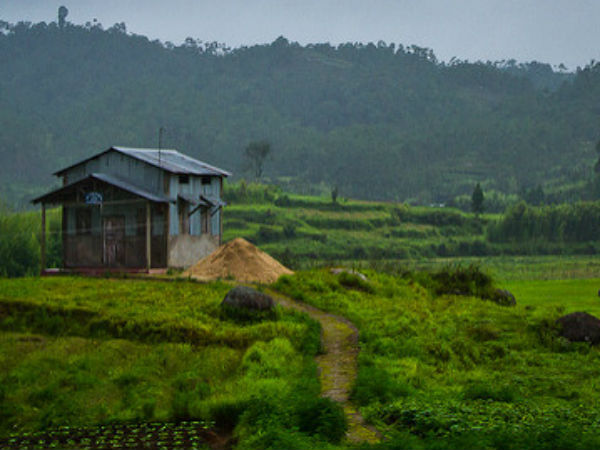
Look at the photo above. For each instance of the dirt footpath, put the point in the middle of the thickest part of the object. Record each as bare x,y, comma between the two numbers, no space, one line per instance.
338,365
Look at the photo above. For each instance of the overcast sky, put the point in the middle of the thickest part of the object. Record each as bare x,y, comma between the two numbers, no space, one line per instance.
554,31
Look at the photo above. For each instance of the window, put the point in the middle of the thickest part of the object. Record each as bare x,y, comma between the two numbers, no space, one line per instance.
205,180
204,213
184,179
184,219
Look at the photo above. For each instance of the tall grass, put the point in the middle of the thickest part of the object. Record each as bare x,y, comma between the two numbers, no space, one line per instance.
441,369
78,352
20,242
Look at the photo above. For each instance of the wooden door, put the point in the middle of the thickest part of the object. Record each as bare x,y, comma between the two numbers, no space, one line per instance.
114,241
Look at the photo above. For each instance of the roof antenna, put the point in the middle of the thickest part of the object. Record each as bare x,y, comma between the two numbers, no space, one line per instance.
160,136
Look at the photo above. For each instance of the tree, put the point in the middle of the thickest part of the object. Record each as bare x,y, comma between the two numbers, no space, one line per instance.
477,200
256,153
63,12
597,166
334,194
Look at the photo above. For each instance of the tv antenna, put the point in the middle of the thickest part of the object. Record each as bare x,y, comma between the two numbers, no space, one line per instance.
160,137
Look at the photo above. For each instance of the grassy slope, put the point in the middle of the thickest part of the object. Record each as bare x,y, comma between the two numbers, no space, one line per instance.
77,351
460,372
302,229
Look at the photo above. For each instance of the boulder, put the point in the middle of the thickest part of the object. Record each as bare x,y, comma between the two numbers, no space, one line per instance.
580,327
503,297
247,298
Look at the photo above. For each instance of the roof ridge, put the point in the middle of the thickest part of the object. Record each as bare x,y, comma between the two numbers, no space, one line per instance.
172,161
145,149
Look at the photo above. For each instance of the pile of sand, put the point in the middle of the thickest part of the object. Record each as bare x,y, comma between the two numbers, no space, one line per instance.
241,260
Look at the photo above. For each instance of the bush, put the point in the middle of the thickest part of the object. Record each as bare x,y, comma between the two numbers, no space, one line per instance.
226,413
268,233
353,281
289,231
19,246
374,384
486,391
324,418
460,280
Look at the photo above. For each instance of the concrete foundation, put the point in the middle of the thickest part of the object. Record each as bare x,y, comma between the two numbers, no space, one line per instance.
185,250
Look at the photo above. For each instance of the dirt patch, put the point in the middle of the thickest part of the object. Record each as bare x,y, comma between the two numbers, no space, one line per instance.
337,365
239,260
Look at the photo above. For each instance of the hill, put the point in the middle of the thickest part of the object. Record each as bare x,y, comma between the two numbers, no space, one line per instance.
379,121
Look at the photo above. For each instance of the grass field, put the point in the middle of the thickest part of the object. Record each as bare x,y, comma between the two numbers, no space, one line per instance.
81,352
436,370
569,295
454,371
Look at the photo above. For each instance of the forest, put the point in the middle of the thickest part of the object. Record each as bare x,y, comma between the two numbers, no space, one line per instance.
375,121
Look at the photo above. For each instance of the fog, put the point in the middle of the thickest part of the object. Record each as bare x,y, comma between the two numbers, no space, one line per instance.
553,31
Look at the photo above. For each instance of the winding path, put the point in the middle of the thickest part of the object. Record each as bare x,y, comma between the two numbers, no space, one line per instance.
337,365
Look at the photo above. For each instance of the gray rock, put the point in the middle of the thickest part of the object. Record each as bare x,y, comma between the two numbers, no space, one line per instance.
580,327
504,297
247,298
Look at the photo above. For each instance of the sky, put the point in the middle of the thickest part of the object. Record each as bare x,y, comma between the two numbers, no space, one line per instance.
552,31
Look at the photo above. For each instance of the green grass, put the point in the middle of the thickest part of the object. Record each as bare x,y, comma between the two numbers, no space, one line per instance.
569,295
305,231
81,352
502,268
300,230
452,371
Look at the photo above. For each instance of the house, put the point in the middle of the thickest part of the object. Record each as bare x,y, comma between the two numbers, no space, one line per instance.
137,209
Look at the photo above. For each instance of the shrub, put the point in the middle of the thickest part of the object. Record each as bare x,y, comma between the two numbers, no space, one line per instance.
268,233
269,359
460,280
487,391
374,384
289,230
325,418
226,412
283,200
353,281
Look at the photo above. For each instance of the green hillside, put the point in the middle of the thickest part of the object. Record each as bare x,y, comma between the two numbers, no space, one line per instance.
89,352
120,363
380,121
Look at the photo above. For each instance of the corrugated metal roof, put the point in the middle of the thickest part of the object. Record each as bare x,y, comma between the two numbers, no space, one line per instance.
110,179
170,160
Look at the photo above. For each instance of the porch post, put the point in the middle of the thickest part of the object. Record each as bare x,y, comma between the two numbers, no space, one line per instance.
220,225
43,240
148,235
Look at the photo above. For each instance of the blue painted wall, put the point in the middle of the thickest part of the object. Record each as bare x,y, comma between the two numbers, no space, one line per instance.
152,179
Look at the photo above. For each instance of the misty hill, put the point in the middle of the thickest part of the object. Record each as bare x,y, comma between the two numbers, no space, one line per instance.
379,121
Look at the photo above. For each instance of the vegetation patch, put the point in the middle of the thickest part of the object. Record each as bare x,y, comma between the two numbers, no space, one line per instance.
440,370
148,359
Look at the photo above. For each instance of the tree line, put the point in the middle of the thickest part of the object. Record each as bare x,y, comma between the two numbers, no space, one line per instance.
375,121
